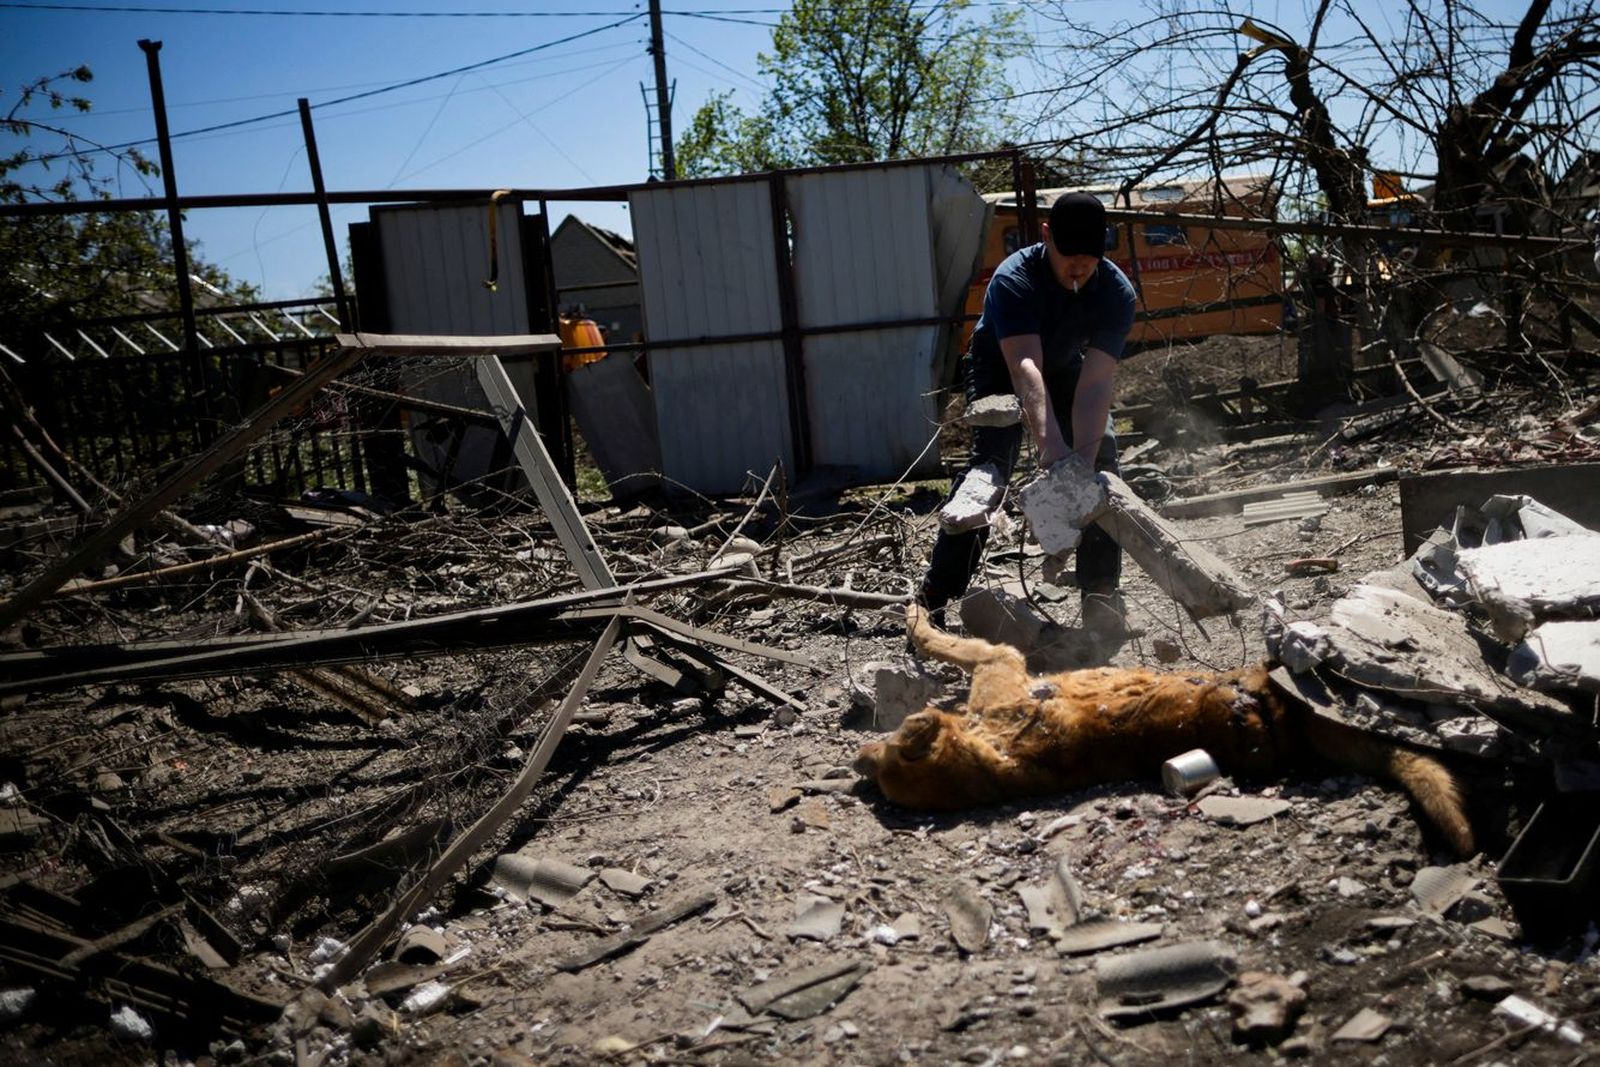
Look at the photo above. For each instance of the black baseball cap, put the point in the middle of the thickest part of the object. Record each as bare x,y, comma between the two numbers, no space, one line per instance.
1078,225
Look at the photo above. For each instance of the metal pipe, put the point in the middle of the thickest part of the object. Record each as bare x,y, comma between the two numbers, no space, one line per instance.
180,250
793,347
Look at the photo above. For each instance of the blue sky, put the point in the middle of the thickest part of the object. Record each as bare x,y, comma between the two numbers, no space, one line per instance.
562,115
567,116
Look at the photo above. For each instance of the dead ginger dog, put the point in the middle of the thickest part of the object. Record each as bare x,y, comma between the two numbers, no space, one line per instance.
1025,736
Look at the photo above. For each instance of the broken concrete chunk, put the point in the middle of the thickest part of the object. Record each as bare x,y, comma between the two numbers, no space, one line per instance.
1438,889
128,1023
973,501
815,918
1471,734
625,882
1387,640
1304,645
1264,1008
1521,583
1061,503
970,917
1162,979
887,691
1001,410
908,927
551,882
1185,570
1516,517
1364,1025
1559,655
1242,811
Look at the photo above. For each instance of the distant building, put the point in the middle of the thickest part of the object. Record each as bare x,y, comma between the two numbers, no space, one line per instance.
596,270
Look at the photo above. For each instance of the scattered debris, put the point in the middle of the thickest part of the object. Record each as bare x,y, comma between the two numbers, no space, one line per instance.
1365,1025
1242,811
1265,1007
970,917
1156,980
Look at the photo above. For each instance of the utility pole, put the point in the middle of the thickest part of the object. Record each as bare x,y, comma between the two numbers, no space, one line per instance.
669,167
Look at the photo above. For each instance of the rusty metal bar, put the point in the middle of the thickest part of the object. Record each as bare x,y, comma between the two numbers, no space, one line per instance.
335,273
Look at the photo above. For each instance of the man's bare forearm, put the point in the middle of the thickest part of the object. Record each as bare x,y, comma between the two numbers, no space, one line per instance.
1027,381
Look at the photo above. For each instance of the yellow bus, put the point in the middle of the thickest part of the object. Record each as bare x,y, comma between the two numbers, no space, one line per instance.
1173,265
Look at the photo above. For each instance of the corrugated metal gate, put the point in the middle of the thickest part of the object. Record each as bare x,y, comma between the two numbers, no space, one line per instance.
876,257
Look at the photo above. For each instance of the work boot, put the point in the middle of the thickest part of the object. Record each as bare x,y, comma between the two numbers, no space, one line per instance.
1106,615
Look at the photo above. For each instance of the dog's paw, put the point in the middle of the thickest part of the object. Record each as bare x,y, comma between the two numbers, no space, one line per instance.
915,738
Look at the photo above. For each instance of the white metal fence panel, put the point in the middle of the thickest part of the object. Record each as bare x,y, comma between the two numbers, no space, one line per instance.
707,268
864,252
435,262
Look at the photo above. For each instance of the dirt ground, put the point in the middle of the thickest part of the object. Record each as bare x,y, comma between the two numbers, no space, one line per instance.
243,788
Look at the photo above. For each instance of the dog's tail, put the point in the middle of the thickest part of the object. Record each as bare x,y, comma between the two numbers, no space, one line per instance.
1426,779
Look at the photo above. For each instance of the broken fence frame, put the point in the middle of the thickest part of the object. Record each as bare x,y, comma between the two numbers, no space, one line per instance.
562,617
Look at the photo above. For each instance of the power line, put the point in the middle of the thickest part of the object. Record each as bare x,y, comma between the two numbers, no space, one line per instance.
364,95
98,112
285,12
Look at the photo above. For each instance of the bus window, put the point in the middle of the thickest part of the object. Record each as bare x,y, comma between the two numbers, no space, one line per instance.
1163,233
1165,193
1111,239
1011,239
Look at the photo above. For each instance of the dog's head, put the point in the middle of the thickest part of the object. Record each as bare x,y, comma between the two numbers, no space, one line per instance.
925,765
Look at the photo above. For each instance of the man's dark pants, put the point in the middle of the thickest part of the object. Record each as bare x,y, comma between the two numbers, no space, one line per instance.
956,556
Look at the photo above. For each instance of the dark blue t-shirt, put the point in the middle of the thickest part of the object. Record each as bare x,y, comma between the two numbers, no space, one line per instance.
1024,297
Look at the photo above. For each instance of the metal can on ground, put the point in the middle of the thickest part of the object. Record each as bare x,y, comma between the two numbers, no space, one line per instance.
1183,775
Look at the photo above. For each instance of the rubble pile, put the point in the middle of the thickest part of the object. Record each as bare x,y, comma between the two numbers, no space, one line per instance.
416,788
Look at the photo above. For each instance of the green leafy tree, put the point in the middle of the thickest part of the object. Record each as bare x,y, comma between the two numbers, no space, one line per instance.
58,269
855,81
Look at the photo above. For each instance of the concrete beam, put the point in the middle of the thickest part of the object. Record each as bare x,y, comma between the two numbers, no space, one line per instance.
1061,503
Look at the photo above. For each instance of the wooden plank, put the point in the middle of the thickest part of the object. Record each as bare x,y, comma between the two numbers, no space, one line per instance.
569,617
639,932
540,470
397,344
1230,503
367,943
213,459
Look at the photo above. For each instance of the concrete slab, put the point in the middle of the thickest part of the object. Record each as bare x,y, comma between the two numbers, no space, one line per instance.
1521,583
1441,727
1185,570
1429,500
1559,655
1388,640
